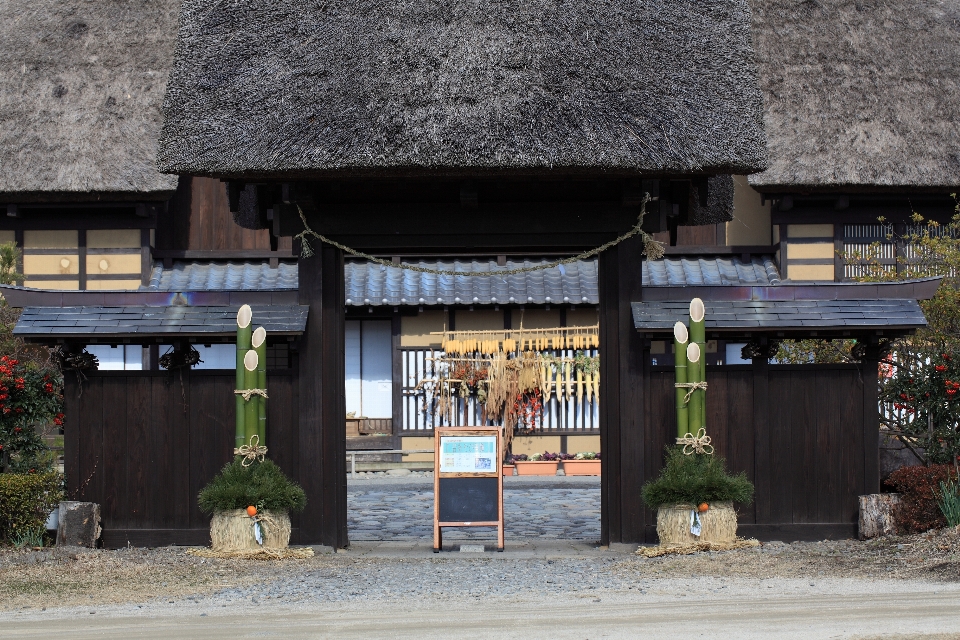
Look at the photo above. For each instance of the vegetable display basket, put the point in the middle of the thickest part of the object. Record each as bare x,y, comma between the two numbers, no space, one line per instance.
234,530
581,467
537,468
718,524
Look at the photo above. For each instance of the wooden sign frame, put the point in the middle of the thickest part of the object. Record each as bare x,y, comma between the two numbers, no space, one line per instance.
438,524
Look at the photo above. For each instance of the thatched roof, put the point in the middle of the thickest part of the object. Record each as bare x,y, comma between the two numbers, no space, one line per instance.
289,87
81,84
860,92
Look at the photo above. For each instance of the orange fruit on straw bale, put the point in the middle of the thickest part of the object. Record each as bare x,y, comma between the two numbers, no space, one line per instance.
703,506
252,511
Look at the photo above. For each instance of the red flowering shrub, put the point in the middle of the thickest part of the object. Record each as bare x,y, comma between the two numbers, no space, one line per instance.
918,486
30,396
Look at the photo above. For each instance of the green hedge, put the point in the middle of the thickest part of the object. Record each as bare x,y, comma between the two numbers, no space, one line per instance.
26,499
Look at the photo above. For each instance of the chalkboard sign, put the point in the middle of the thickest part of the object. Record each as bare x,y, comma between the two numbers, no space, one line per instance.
469,499
468,480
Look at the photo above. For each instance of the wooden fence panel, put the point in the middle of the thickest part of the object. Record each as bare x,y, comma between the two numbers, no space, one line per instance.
143,445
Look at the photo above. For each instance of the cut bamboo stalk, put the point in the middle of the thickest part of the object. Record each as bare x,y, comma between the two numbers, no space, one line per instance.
259,343
695,420
250,382
698,335
244,317
680,338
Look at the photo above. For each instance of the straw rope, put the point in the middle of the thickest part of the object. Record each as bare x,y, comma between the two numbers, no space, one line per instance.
699,443
252,452
249,393
692,386
652,249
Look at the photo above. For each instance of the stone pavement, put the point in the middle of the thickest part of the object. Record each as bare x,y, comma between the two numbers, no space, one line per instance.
400,508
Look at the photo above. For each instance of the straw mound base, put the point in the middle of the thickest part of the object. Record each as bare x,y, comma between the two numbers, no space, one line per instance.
263,553
233,531
696,547
719,524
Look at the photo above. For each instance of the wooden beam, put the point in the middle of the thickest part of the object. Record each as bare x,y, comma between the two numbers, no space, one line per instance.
871,420
321,400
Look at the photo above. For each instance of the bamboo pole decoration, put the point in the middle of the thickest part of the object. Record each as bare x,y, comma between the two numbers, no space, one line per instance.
680,337
695,420
698,334
259,343
244,318
250,382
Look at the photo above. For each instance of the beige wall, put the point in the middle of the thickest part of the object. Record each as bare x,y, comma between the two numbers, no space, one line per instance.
816,247
582,317
7,236
533,319
415,330
485,320
580,444
417,442
751,219
536,444
47,239
113,239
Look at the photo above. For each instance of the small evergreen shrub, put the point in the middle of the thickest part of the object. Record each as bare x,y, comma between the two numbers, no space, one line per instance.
262,484
695,479
26,499
919,488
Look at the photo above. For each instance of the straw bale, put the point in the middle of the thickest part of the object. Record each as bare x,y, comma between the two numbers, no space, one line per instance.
233,531
719,524
696,547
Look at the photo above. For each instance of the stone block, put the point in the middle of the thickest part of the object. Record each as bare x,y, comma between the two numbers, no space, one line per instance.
78,524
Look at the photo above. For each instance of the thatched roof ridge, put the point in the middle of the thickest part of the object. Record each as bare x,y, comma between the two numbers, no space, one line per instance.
81,84
862,93
268,88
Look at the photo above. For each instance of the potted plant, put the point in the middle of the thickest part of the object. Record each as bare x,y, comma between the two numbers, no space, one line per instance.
538,464
585,463
250,506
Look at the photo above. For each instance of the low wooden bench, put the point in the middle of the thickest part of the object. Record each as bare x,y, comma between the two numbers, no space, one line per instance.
377,452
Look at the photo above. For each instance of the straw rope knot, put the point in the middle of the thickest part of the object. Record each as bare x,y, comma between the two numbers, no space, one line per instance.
252,452
692,386
265,519
699,443
249,393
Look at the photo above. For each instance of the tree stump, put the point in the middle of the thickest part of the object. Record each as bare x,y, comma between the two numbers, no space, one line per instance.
876,515
78,524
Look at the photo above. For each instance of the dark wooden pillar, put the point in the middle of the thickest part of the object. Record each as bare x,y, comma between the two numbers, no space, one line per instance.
322,404
762,473
621,395
871,420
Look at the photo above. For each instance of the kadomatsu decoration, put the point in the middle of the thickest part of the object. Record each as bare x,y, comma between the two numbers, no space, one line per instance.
694,494
251,497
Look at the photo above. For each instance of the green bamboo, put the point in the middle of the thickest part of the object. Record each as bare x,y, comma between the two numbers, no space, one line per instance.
250,382
694,364
244,318
680,367
260,345
698,335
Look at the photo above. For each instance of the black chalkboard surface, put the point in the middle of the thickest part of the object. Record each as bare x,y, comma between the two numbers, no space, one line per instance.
469,500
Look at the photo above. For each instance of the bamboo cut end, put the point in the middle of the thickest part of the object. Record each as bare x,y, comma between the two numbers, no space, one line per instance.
696,310
680,333
693,352
244,316
259,337
250,360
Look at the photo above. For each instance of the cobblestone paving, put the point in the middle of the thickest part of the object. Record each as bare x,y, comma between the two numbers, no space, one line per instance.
381,511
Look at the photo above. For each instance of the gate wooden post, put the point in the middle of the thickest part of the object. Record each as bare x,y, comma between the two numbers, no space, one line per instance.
322,405
621,395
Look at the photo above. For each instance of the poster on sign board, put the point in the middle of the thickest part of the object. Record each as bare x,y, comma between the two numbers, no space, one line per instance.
468,454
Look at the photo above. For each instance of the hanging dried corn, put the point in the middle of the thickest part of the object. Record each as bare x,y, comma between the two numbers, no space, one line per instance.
589,386
568,379
579,385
